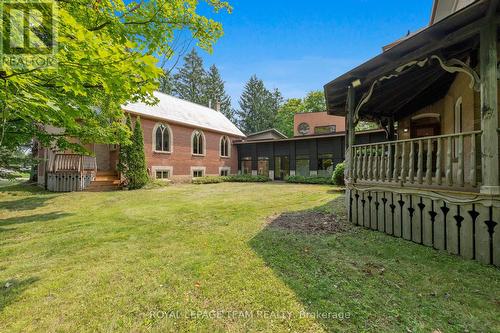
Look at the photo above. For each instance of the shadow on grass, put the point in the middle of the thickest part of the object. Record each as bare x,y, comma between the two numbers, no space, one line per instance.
32,218
383,283
30,197
10,290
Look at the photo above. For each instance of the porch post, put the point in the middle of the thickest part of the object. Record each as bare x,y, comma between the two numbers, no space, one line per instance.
489,108
349,155
351,135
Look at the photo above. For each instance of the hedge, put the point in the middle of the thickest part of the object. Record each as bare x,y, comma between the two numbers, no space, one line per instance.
235,178
309,180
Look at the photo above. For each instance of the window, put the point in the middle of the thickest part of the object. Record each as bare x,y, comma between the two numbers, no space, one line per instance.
246,165
263,166
197,173
303,128
224,146
162,138
224,172
325,165
162,174
198,143
302,165
325,129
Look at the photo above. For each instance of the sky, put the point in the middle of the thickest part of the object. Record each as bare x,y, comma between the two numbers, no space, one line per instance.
298,46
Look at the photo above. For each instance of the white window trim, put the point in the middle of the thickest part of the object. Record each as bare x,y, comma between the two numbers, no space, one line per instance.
228,147
198,168
169,168
225,168
171,141
204,143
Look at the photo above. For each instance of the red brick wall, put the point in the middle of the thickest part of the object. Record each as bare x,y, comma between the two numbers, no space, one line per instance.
181,159
315,119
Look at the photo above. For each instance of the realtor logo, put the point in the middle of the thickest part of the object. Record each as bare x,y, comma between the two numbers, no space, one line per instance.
29,33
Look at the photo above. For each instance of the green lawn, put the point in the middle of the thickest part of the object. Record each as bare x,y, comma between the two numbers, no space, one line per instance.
162,259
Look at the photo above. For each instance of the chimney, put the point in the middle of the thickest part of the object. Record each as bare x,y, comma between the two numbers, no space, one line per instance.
217,106
210,103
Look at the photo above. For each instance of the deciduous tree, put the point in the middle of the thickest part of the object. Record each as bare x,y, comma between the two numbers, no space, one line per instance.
108,51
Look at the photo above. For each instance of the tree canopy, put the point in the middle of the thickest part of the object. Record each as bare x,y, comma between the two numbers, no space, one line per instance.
313,102
107,55
258,106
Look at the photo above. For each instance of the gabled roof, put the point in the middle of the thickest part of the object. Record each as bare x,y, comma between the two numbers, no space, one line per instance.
176,110
272,131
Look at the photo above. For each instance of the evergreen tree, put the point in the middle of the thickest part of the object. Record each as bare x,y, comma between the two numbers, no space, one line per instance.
258,106
189,81
124,153
216,92
166,84
137,172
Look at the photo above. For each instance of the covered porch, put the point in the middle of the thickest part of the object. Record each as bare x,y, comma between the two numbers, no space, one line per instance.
436,180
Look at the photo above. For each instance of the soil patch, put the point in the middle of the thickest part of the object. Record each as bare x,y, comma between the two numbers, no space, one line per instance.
309,222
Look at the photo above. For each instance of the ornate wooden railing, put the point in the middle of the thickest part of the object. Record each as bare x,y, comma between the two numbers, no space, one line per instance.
449,161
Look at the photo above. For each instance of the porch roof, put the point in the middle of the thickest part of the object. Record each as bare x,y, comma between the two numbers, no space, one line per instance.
453,37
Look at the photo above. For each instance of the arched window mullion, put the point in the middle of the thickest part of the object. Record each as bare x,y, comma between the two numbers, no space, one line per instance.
162,138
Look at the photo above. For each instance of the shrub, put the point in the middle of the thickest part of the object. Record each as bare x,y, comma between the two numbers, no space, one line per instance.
338,174
309,180
208,180
234,178
124,152
137,174
247,179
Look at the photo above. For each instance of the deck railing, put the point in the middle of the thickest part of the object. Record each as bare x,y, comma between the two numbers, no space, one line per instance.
71,172
73,162
449,161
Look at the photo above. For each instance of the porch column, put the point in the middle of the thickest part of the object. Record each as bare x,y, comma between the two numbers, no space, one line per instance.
489,108
350,134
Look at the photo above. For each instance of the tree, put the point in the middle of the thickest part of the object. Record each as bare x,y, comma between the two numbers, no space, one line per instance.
124,153
216,93
166,84
314,102
189,81
366,126
258,106
284,118
108,51
137,175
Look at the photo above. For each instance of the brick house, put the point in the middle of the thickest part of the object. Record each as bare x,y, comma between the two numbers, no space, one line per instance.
181,140
317,123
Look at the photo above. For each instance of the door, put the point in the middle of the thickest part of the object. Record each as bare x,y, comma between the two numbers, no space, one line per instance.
102,157
281,167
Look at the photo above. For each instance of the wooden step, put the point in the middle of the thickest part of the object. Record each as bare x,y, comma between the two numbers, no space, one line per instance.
106,173
100,178
108,188
115,182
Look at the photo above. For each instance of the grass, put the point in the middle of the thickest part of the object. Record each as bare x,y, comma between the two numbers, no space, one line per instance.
162,259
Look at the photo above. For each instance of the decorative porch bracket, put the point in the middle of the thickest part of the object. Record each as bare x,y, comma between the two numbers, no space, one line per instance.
451,66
